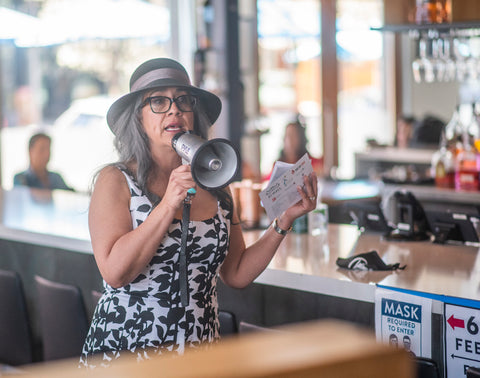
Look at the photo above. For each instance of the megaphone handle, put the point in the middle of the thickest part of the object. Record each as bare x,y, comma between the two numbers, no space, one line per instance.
183,269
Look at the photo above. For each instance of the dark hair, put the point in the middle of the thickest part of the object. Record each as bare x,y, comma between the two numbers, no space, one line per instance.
302,136
407,118
427,132
34,138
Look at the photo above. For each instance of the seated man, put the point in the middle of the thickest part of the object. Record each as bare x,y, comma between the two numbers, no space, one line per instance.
37,175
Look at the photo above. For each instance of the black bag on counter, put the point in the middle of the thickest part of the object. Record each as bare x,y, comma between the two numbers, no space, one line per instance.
367,261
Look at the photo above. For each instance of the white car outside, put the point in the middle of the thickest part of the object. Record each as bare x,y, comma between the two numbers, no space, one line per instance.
81,144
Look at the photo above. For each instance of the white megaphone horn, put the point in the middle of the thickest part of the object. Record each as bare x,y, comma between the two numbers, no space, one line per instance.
214,162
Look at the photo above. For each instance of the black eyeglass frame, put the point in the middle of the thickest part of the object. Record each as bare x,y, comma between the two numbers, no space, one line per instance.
148,100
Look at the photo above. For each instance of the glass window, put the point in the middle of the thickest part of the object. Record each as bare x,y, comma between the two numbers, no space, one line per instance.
289,73
362,108
65,75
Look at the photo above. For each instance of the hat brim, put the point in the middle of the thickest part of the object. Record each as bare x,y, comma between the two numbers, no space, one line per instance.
210,102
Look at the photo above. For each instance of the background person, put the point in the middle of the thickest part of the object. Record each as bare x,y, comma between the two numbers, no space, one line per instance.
295,146
135,225
404,134
37,175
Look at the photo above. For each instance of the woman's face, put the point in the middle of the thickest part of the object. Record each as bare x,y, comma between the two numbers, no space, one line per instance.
291,142
161,127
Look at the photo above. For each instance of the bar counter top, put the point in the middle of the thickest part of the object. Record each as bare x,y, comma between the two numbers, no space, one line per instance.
55,218
59,220
309,263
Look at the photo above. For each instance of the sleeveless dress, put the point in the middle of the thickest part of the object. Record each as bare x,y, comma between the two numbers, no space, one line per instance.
146,317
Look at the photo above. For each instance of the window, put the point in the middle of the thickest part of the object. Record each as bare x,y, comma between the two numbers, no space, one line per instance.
65,76
289,72
290,79
362,108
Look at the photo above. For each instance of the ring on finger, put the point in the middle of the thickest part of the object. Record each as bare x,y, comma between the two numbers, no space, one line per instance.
311,198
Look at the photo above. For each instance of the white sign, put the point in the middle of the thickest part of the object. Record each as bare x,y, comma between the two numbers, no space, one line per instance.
404,321
462,339
281,191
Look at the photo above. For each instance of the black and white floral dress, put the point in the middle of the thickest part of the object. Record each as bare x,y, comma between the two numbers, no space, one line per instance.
146,316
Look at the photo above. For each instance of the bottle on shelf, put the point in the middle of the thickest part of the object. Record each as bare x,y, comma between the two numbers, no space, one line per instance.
474,127
454,131
444,11
429,11
467,166
443,165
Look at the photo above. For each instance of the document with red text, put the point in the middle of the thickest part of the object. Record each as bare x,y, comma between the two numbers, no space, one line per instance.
281,191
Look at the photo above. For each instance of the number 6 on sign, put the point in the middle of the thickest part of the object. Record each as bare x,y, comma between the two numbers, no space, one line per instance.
462,341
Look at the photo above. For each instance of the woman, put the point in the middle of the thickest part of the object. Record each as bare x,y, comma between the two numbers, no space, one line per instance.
135,225
295,146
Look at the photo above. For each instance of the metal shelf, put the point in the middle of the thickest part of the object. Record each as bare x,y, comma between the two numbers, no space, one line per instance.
445,27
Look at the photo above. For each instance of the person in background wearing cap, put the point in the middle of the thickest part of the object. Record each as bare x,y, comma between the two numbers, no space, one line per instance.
135,225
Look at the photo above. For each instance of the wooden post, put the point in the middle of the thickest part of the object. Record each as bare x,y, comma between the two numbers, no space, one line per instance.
329,85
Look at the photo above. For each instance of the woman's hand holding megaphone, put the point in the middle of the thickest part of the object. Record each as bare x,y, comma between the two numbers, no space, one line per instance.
179,183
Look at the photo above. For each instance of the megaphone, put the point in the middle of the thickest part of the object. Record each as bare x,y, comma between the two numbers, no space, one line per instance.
214,162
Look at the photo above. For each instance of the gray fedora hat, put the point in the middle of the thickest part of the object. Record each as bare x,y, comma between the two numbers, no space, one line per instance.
158,73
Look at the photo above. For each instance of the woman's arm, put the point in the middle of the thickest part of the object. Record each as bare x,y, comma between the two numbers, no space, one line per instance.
122,252
242,265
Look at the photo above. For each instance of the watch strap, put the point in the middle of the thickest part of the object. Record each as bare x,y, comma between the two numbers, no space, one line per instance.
279,230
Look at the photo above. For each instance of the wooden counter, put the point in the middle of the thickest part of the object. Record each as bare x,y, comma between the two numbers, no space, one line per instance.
326,349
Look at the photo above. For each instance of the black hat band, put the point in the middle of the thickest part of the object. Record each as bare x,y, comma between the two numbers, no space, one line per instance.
160,73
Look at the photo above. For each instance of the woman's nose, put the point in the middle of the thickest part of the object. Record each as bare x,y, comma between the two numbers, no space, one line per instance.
174,108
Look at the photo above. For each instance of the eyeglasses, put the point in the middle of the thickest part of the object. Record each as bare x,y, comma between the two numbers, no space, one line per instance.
162,104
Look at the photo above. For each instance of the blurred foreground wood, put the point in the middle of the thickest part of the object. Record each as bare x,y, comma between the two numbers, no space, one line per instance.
321,348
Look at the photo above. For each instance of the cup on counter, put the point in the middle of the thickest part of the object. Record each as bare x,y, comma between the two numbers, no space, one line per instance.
318,220
300,225
236,187
250,207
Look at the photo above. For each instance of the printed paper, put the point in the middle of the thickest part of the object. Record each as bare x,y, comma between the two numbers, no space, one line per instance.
281,192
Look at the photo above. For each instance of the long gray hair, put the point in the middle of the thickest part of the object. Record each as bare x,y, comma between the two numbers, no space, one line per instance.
132,142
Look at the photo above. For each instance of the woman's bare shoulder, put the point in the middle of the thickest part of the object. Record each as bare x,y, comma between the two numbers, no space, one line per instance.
110,178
